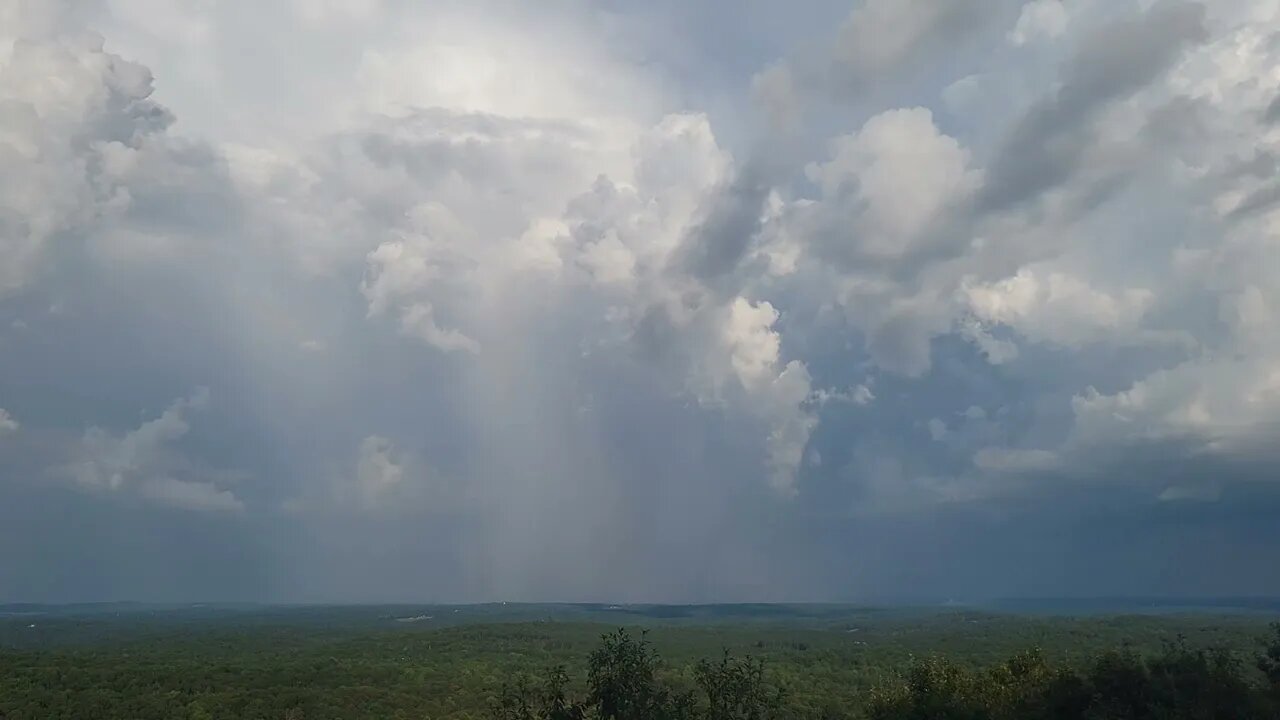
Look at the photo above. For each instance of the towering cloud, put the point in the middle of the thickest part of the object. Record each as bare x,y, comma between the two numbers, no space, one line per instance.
503,301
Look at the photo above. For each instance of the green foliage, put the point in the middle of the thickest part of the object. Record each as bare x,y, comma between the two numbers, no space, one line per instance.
623,677
555,701
1178,684
357,664
736,689
938,689
624,684
1269,661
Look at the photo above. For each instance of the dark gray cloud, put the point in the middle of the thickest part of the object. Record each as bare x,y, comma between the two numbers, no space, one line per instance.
1272,113
730,224
1261,200
1047,144
881,38
882,48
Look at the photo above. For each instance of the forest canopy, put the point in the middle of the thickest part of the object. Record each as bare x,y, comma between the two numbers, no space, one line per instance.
527,662
625,683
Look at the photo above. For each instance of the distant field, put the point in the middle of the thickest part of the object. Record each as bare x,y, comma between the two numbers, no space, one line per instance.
415,661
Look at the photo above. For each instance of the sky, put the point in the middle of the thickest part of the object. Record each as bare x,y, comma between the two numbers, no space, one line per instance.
379,300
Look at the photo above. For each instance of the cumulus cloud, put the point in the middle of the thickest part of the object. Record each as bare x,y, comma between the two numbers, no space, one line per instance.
753,345
776,390
433,264
877,45
1048,144
7,423
889,184
860,395
74,120
377,469
1040,19
887,196
1058,308
379,478
189,495
143,461
399,275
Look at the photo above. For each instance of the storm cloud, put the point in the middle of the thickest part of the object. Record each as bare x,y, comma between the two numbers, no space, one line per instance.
595,302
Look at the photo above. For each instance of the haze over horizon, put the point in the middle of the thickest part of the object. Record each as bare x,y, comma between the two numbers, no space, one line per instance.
620,301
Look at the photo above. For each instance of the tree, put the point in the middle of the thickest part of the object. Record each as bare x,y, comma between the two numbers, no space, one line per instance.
1269,661
624,683
623,676
1179,684
515,703
1182,683
934,689
556,706
735,689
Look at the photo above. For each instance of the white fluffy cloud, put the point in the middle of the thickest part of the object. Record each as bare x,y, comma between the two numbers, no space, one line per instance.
1059,308
7,423
777,390
143,461
753,345
73,121
401,274
890,183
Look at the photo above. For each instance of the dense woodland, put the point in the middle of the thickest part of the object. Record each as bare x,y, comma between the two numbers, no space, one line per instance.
506,665
1179,683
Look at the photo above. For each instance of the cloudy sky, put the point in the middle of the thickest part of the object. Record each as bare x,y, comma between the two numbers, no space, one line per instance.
368,300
